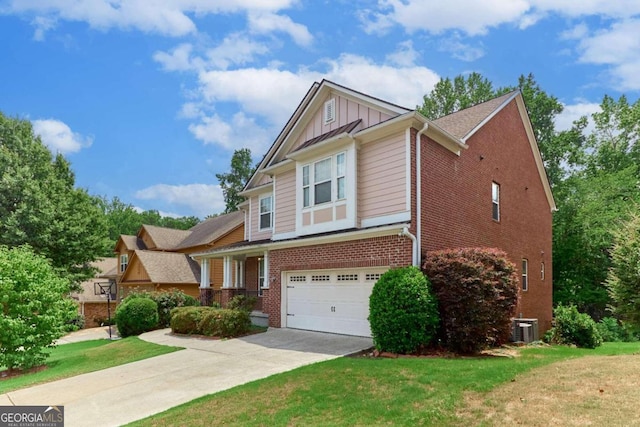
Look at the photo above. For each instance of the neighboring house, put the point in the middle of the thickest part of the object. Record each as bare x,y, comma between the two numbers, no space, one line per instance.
345,193
92,299
156,258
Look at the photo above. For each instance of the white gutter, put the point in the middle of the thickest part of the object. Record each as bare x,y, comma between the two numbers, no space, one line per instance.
415,260
418,237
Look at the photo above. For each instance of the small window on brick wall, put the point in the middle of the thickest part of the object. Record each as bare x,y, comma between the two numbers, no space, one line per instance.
495,201
525,275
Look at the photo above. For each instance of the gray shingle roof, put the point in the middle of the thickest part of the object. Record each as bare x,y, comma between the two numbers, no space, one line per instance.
132,242
166,238
212,229
169,267
461,123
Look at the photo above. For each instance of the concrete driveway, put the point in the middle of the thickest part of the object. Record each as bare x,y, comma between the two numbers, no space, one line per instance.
126,393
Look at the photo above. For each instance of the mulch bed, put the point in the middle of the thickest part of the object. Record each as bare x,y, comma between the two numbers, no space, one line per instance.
12,373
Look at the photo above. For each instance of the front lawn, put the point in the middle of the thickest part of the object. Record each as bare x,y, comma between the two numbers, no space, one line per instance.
377,391
68,360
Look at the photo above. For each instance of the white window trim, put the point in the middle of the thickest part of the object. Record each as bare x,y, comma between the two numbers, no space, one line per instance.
495,201
350,199
124,263
525,274
260,213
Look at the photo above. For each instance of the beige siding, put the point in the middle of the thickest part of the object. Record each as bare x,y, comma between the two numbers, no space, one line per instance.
256,234
382,177
347,111
285,202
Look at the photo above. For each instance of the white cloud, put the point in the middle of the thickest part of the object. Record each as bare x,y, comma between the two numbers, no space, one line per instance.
575,33
469,16
240,132
235,49
170,18
460,50
203,199
178,59
572,112
573,8
405,55
59,137
618,47
267,22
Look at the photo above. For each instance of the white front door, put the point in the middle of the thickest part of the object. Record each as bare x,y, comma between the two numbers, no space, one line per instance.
334,301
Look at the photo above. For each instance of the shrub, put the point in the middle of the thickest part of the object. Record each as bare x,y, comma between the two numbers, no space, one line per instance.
242,302
477,294
75,324
186,320
33,307
166,301
225,323
402,312
136,316
573,327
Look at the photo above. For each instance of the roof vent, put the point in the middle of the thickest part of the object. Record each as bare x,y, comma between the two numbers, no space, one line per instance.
330,111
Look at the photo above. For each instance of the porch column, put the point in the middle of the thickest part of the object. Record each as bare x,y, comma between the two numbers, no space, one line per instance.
267,281
240,275
206,293
226,272
205,273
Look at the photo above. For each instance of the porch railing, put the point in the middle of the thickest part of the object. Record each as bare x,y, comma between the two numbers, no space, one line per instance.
208,296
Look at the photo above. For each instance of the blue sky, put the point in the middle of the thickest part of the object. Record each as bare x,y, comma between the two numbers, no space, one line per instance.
149,99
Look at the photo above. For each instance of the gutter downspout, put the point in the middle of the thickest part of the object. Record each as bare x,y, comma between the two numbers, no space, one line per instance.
415,260
418,237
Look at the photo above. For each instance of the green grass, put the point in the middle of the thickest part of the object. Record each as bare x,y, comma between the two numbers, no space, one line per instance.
368,391
68,360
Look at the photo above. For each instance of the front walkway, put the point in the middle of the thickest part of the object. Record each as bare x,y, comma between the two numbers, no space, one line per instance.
126,393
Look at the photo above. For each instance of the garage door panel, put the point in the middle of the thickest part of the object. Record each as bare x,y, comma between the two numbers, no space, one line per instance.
338,303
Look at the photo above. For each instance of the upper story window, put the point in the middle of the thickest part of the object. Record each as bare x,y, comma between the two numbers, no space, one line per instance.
330,111
525,275
320,178
266,212
124,260
495,198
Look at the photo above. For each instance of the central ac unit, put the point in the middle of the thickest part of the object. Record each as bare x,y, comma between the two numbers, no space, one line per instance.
524,330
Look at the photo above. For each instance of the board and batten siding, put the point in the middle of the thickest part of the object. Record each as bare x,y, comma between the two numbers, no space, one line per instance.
347,111
285,203
382,177
256,234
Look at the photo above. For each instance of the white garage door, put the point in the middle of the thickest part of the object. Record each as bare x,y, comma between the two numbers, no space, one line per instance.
331,300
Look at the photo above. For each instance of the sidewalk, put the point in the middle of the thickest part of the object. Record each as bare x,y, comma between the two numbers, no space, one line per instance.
126,393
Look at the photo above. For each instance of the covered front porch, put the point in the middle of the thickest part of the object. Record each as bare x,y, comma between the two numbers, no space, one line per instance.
242,274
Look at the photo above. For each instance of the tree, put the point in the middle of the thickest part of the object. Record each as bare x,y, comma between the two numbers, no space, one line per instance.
40,206
623,280
233,182
34,307
123,218
449,96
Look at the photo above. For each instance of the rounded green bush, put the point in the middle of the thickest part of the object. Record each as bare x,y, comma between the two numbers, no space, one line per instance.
573,327
403,313
186,320
225,323
167,300
136,316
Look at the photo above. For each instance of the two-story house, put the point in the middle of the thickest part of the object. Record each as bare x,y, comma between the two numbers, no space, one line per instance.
354,185
156,258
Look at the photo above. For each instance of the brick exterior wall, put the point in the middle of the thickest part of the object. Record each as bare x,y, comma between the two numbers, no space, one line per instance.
457,204
392,251
95,311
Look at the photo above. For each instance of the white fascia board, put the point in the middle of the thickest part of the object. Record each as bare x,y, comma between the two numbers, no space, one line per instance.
305,241
490,116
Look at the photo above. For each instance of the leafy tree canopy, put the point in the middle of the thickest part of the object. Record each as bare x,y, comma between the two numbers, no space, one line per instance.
34,307
234,181
40,207
123,218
